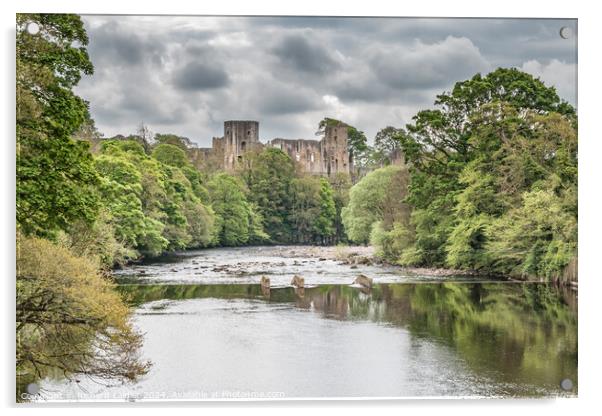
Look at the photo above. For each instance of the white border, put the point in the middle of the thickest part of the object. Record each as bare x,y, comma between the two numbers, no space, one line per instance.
589,189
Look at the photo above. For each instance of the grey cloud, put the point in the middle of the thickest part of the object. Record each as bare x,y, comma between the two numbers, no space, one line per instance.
187,74
115,44
200,76
298,52
429,65
278,100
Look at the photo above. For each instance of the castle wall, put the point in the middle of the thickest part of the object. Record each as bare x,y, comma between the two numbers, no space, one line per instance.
328,156
306,153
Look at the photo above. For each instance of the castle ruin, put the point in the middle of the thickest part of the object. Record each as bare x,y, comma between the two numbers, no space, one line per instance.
327,156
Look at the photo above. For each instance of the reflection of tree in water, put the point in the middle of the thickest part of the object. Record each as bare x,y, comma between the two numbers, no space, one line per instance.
513,333
497,329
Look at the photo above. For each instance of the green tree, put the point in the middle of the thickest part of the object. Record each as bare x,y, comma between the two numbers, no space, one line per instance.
387,146
55,176
121,192
438,146
313,210
233,211
183,143
520,157
268,175
325,223
340,183
171,155
377,199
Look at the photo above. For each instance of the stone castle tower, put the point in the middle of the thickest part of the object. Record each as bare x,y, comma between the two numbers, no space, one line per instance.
239,136
327,156
335,156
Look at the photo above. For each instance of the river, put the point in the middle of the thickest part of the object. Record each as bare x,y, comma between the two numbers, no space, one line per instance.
212,332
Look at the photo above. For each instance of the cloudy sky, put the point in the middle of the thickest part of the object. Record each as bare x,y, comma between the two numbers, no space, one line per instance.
186,75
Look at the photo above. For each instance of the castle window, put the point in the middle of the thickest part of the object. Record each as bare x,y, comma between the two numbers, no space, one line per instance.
298,157
243,146
248,132
311,157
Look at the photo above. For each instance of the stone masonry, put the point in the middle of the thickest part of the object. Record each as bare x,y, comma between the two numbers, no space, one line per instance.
327,156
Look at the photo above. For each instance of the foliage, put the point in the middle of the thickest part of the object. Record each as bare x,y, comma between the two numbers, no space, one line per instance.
340,183
237,222
313,210
523,157
70,321
387,146
154,206
97,242
490,140
55,175
376,201
268,175
183,143
171,155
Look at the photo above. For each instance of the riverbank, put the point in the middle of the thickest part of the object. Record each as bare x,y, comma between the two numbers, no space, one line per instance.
355,255
366,255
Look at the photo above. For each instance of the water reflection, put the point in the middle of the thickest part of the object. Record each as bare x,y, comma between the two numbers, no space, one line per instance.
521,339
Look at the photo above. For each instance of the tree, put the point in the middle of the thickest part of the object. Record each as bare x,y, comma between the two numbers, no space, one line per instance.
154,206
387,146
170,155
377,198
232,209
438,146
183,143
325,223
70,321
145,137
55,175
121,192
340,183
89,133
268,175
525,164
313,210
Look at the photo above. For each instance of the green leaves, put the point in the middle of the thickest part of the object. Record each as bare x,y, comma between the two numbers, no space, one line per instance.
490,142
313,211
55,177
268,176
170,155
236,221
154,206
377,201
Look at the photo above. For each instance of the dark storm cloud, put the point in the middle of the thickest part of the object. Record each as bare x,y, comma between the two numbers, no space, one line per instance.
186,75
304,54
200,76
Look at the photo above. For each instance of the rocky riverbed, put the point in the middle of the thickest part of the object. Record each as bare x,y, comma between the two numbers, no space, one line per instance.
246,265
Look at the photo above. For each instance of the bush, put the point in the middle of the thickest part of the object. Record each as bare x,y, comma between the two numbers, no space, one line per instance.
69,319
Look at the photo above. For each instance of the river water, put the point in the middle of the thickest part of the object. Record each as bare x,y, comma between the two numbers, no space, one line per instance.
212,332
